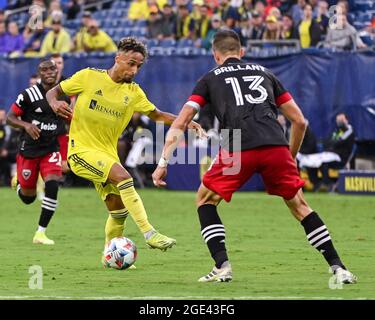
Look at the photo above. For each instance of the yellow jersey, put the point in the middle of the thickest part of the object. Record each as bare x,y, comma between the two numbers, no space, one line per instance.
103,110
304,31
100,41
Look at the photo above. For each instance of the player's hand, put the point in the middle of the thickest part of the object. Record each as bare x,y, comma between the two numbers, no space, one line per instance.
157,177
201,133
33,131
62,109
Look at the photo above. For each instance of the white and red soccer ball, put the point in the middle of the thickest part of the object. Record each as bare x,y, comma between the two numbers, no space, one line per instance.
119,253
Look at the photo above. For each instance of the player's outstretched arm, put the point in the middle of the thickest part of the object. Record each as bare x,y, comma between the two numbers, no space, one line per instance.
61,108
293,113
168,118
174,135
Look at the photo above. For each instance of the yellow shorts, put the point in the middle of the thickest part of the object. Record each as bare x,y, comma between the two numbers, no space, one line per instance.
95,166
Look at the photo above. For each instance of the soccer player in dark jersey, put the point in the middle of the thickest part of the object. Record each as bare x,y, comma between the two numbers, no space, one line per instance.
246,96
39,149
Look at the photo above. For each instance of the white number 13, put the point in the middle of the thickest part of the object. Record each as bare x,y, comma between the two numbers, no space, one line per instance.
255,85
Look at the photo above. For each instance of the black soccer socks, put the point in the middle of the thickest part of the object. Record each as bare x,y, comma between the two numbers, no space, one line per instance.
213,233
318,236
49,203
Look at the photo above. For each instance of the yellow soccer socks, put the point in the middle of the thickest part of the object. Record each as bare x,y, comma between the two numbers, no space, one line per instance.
134,204
115,224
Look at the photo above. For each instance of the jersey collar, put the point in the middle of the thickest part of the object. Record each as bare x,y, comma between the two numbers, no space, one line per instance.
232,60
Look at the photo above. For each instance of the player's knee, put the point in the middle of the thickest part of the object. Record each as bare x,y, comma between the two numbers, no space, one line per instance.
65,167
27,199
120,176
207,198
299,207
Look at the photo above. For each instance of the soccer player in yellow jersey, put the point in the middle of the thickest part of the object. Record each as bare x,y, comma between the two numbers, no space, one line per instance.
106,101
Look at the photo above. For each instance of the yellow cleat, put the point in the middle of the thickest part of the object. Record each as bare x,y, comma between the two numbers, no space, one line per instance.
160,241
41,238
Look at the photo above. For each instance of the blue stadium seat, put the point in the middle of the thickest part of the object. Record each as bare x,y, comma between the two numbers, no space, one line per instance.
182,43
70,24
115,13
167,43
364,6
359,25
152,43
364,17
120,4
140,23
111,32
116,4
106,23
123,32
125,23
102,14
368,40
139,32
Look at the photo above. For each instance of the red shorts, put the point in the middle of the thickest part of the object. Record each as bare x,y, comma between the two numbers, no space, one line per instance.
28,168
63,140
274,163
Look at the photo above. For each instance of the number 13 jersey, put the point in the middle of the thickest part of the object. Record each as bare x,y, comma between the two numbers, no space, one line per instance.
243,96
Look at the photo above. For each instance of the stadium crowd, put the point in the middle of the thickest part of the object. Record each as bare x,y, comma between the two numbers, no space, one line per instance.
61,26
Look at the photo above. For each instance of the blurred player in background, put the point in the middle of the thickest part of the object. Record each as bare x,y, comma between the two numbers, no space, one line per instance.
39,149
62,132
62,129
247,96
106,101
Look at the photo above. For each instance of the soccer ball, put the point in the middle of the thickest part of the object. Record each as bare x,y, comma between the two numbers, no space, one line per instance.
119,253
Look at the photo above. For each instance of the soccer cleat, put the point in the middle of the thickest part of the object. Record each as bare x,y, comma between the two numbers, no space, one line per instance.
160,241
41,238
223,274
344,276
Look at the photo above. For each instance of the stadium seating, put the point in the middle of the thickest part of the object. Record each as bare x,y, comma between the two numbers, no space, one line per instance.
115,22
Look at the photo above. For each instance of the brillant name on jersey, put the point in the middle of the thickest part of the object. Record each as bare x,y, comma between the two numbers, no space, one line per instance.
239,67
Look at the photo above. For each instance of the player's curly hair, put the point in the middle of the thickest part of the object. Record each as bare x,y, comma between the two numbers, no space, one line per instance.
132,44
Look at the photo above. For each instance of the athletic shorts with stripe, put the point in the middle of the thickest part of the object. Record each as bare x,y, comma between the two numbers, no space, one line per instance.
230,171
95,166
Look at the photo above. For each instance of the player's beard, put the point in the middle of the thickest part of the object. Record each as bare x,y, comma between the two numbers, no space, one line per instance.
128,79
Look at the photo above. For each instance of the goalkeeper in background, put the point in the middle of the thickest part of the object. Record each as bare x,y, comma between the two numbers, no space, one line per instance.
106,101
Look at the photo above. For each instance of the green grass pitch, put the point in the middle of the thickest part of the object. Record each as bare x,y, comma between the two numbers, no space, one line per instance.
270,255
